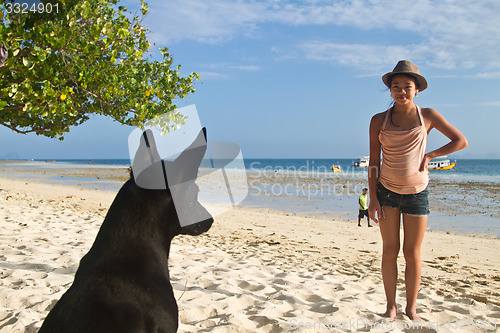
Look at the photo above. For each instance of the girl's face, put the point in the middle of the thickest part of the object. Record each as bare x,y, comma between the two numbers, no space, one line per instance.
403,89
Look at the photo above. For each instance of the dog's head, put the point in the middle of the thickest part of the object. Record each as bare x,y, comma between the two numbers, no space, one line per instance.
175,181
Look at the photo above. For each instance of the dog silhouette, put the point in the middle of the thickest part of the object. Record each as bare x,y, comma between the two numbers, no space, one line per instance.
122,284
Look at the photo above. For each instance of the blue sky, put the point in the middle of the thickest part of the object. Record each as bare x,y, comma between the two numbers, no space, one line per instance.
302,79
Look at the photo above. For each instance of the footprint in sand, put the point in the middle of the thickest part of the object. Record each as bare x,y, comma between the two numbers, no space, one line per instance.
38,267
262,320
65,270
305,276
11,321
315,299
495,315
324,307
38,276
191,315
212,286
289,299
280,282
247,286
460,310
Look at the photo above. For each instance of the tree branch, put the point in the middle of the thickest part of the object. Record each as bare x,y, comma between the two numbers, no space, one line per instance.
95,96
20,107
16,130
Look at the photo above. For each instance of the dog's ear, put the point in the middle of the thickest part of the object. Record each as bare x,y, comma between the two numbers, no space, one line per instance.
181,176
147,166
185,167
151,172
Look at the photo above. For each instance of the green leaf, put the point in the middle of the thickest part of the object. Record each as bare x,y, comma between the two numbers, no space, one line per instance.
91,53
27,62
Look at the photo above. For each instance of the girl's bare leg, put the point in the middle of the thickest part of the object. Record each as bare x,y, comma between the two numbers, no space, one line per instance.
414,229
389,229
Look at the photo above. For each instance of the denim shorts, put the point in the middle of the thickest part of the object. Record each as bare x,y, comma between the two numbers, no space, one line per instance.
412,204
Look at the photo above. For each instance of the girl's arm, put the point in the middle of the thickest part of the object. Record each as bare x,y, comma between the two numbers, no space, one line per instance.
374,166
458,140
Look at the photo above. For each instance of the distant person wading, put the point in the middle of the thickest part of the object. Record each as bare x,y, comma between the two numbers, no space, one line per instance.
363,207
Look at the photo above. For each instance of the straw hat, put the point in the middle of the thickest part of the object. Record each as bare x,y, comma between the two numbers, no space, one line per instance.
406,67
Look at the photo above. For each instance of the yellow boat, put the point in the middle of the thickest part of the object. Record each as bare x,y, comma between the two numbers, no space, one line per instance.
442,163
336,168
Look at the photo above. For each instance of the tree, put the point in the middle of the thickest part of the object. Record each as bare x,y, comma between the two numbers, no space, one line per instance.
69,59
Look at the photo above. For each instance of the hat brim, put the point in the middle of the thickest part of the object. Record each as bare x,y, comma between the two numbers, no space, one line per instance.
422,82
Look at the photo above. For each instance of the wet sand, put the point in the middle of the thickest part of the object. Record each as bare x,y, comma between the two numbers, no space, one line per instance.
465,207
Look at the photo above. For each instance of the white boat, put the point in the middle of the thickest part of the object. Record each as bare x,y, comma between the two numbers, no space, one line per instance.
441,163
362,162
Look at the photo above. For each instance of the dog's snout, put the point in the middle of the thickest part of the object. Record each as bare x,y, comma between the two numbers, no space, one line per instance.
197,228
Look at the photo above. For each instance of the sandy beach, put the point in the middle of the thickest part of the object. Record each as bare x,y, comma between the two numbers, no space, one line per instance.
256,270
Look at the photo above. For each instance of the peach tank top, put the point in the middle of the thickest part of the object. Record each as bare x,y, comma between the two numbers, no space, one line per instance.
402,154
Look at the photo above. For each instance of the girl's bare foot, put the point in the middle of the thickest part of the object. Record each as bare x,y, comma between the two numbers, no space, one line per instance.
391,312
412,314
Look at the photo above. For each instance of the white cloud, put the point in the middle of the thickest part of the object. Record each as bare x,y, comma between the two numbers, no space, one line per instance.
489,75
357,55
249,68
452,33
219,68
447,105
213,75
211,21
492,103
225,66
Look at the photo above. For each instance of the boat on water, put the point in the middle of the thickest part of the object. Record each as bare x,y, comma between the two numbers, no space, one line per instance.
336,168
441,163
361,162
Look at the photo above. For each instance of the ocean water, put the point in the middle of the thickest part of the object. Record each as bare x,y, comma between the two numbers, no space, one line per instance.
466,169
463,200
478,170
87,162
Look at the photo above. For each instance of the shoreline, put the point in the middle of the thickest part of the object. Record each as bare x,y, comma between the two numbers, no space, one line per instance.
454,205
256,270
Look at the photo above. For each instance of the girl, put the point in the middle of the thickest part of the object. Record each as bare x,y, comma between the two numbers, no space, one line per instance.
399,185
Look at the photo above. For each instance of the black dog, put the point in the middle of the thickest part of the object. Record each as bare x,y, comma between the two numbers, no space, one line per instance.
122,284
